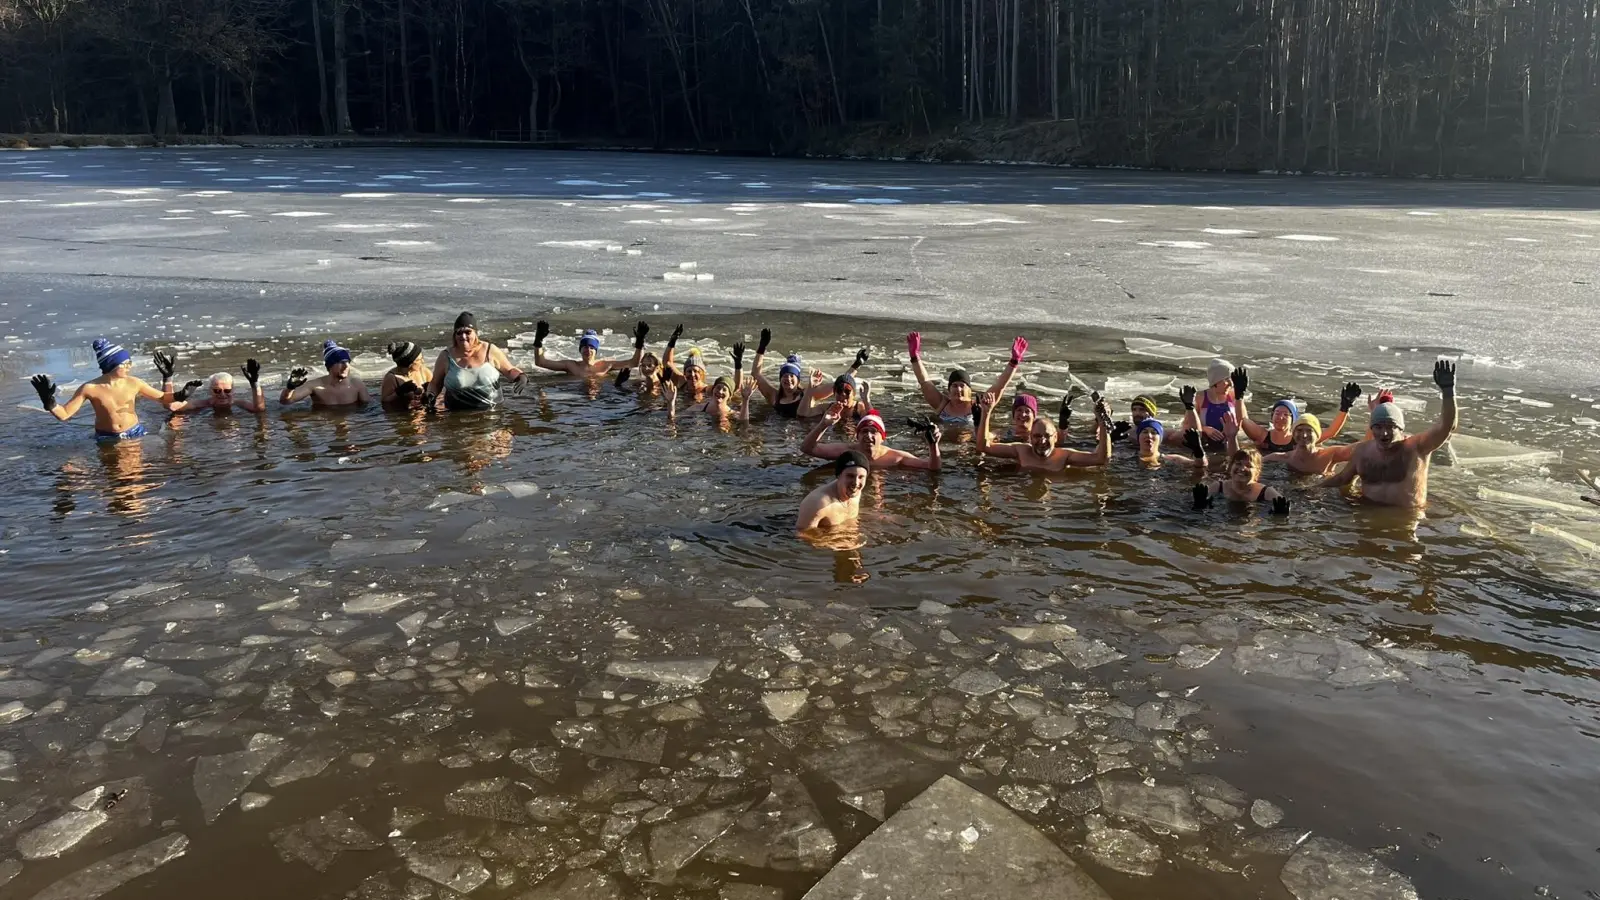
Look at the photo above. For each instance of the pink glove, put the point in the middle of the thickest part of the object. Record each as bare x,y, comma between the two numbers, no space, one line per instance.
1018,347
914,345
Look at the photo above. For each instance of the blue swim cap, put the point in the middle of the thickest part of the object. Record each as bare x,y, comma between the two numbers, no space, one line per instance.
333,354
1294,411
1151,424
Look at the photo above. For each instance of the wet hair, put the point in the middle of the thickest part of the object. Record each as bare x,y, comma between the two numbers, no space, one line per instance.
1249,456
220,379
650,357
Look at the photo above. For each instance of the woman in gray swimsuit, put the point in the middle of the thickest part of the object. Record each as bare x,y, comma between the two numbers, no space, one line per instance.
468,373
954,403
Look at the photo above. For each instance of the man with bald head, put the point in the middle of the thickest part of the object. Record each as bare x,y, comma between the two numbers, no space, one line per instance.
1393,466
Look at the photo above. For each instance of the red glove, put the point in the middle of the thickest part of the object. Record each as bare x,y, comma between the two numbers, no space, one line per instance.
914,345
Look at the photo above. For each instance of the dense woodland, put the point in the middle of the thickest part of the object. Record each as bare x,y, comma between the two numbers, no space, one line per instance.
1374,85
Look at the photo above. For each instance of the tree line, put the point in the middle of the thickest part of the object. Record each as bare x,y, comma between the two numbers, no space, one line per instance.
1373,85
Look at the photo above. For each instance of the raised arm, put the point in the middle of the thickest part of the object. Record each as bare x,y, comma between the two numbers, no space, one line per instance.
47,397
768,392
1191,418
541,330
930,391
258,401
930,433
295,387
812,445
1102,439
1444,375
738,365
982,437
1018,347
166,395
1347,399
640,332
668,355
1241,385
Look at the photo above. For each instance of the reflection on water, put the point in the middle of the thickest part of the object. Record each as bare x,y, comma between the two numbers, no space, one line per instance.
409,619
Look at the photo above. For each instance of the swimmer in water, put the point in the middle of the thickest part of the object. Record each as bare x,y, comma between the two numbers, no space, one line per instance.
467,375
1215,412
1240,484
719,404
651,376
404,385
220,399
1040,453
787,396
839,501
953,405
847,392
693,375
871,441
1024,412
1150,435
1278,436
1308,456
586,366
1393,466
337,388
113,394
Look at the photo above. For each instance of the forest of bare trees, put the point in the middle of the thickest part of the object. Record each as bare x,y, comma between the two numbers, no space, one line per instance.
1486,86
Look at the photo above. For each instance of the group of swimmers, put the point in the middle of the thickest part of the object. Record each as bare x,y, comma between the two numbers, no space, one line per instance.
1391,463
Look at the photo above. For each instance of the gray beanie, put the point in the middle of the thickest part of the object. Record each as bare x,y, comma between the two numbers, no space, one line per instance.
1219,370
1388,412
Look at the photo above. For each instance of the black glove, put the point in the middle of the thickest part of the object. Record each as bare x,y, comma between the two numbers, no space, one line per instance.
673,341
1444,375
1191,440
639,331
252,373
622,377
978,411
738,357
46,389
1102,414
1186,394
1241,382
1280,505
429,400
541,330
297,377
518,383
766,339
861,358
407,389
1065,415
924,426
1347,397
1121,430
183,393
1202,496
164,364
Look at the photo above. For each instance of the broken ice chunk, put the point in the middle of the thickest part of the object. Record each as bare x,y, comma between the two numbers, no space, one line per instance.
1165,806
611,739
784,705
374,603
1087,653
319,842
1123,851
785,832
676,672
490,798
674,844
462,874
60,834
218,780
113,872
1265,813
978,682
1324,869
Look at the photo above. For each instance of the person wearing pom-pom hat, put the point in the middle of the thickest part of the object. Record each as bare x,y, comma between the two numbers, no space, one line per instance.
114,393
340,387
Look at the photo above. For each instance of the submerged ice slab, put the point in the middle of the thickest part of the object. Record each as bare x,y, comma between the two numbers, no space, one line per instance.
113,872
863,766
952,841
1163,806
784,832
612,739
343,551
320,841
1324,869
1307,656
60,834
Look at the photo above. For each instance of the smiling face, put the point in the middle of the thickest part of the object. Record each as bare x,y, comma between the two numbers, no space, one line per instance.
867,438
958,392
1281,419
649,366
852,482
1022,420
1243,468
789,381
1305,437
720,393
465,337
1219,390
586,353
696,377
1042,437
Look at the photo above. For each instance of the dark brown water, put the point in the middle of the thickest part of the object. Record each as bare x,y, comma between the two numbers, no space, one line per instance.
1420,688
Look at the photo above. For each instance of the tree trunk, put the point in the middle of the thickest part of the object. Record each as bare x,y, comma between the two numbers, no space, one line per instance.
405,70
833,78
341,75
1014,110
167,108
322,68
435,79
